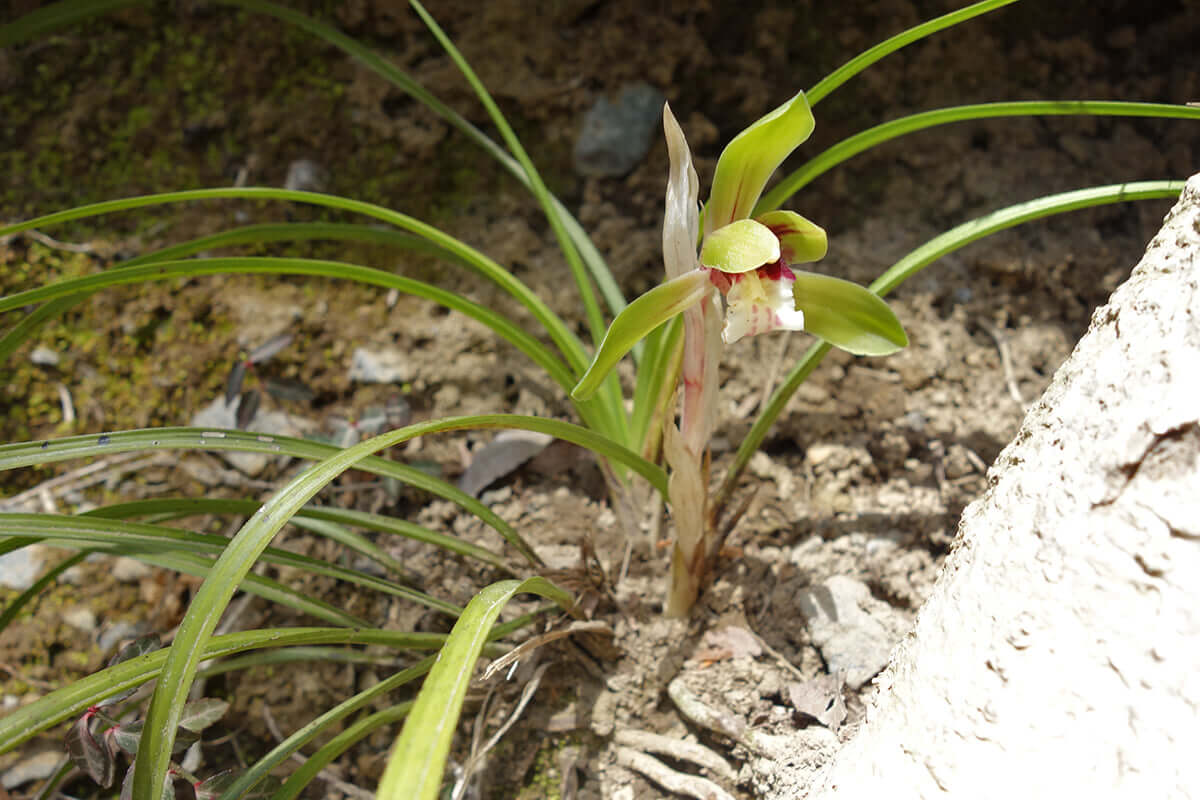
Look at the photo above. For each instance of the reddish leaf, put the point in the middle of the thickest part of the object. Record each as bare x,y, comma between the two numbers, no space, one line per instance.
91,757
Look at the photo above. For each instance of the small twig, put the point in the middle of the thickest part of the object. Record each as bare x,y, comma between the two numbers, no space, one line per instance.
68,407
778,656
11,670
698,712
669,779
83,477
678,749
42,238
519,652
1010,377
473,763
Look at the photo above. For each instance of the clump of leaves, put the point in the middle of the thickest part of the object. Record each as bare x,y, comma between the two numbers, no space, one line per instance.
97,740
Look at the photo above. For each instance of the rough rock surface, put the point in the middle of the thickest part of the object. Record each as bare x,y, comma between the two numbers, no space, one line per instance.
1058,653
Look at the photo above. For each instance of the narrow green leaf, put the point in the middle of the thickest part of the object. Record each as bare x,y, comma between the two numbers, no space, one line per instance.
57,15
314,727
535,183
848,316
414,771
749,159
138,537
656,379
214,594
175,508
848,148
339,744
894,43
29,720
639,318
24,454
567,342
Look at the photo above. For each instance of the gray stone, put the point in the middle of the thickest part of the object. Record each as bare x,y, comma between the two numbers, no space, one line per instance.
118,632
853,631
20,568
35,768
305,175
44,357
81,618
128,570
616,136
217,415
380,366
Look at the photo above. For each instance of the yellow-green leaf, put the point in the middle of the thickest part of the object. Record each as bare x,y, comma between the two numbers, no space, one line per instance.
749,159
800,239
637,320
740,246
848,316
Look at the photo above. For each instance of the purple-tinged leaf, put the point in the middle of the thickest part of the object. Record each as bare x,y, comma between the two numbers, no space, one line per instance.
290,391
138,647
247,409
126,736
183,740
268,349
398,411
199,714
210,788
233,385
509,450
127,784
91,757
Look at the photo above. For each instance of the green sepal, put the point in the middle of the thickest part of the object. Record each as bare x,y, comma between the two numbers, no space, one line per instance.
740,246
750,158
637,320
847,316
800,240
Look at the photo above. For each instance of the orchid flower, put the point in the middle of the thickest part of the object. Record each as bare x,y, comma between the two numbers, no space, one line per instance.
749,262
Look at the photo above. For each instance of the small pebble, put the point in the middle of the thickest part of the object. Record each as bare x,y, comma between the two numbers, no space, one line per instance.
44,357
128,570
81,618
34,768
616,136
20,568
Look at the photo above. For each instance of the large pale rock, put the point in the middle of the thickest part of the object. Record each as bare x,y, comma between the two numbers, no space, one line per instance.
1059,653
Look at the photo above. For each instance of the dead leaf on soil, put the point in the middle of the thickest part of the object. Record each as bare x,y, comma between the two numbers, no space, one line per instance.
730,642
821,699
509,450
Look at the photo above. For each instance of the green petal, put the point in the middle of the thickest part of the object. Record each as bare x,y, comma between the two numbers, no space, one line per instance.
740,247
637,320
748,160
847,316
800,240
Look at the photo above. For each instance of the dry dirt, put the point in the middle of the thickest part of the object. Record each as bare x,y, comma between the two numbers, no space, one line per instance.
864,476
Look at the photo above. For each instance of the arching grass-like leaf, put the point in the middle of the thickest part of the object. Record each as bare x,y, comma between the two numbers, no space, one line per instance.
414,771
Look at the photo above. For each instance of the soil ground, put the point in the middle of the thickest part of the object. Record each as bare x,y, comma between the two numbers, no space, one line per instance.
863,477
